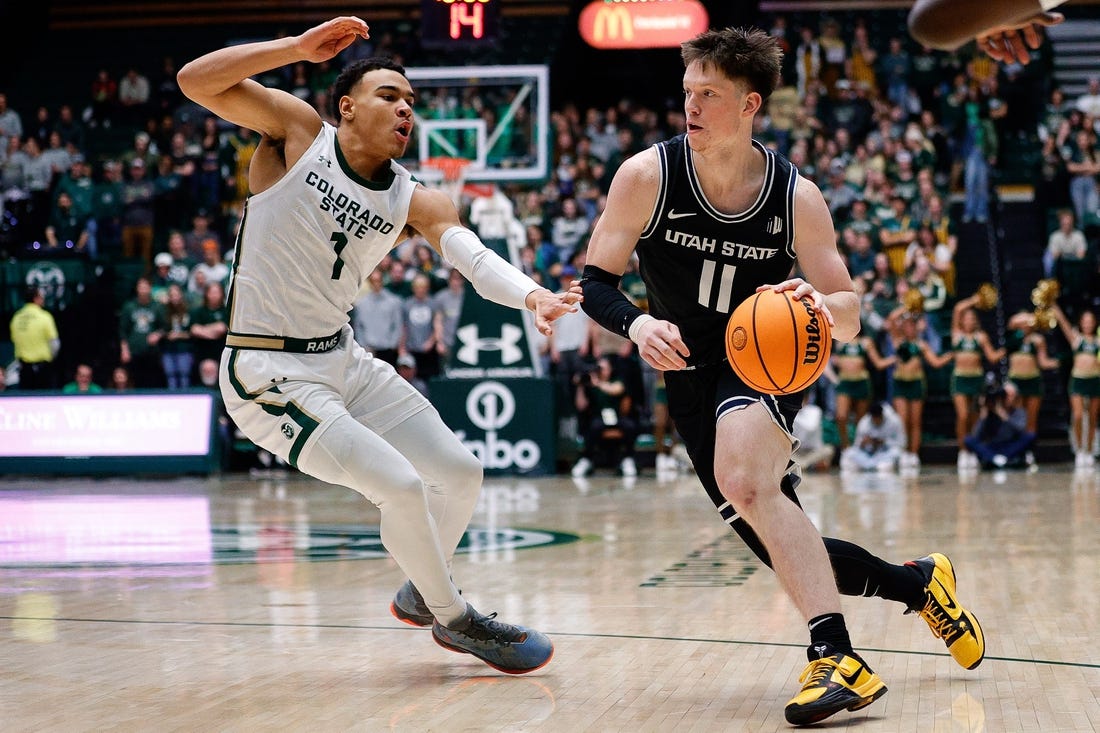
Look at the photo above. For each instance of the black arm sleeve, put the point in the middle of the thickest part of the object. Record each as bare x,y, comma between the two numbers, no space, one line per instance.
605,303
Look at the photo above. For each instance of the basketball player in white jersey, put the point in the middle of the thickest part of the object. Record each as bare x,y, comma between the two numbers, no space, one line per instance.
327,204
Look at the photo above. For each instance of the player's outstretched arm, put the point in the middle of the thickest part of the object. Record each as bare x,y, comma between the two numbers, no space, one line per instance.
433,214
220,81
997,25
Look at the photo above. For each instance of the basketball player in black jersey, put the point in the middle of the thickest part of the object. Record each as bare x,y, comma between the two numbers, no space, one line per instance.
715,217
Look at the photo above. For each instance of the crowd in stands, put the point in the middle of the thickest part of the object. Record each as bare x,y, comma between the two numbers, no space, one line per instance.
903,141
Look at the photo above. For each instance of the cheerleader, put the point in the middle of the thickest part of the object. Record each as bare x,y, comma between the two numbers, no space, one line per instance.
1084,382
969,344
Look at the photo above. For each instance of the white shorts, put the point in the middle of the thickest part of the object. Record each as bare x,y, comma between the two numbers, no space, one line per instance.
284,401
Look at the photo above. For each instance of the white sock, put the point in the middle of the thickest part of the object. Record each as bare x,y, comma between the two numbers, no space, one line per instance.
452,475
349,454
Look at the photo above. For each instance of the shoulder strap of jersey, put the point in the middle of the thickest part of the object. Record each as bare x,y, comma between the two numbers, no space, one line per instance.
792,184
662,191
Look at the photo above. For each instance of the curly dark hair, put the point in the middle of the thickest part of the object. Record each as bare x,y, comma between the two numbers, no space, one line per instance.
351,75
739,53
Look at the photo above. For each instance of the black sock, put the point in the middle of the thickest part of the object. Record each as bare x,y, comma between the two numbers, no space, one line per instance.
859,573
829,628
917,587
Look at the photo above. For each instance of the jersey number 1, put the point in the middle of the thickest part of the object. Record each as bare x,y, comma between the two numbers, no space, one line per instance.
339,241
724,282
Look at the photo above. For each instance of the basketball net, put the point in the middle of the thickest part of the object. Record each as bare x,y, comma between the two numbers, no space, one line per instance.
453,170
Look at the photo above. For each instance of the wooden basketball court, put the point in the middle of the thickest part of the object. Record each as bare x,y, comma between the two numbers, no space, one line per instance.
261,604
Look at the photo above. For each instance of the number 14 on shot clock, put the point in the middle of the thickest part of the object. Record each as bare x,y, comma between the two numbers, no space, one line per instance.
459,22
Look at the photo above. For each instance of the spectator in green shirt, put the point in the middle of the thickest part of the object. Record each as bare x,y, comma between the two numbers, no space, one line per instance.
107,208
141,325
82,382
209,326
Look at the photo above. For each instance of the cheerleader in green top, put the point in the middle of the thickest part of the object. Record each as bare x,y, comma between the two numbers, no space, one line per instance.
969,344
1084,382
1027,358
853,388
911,352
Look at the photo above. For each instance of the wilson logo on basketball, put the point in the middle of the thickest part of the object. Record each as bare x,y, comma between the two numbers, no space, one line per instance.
813,334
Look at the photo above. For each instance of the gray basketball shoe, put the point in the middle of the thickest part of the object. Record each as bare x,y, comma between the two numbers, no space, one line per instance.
504,647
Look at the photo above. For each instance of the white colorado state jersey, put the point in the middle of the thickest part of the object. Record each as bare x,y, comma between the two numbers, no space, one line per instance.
307,244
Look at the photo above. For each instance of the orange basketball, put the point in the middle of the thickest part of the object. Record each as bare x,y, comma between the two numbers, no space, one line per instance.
776,344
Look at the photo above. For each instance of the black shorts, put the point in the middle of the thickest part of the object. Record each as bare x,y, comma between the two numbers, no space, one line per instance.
697,398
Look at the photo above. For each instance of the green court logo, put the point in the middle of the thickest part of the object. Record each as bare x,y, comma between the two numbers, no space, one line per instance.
259,544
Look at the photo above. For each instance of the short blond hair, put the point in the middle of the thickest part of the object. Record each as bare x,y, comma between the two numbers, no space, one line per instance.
739,53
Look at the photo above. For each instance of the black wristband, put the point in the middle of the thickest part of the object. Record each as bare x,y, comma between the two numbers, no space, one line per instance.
605,303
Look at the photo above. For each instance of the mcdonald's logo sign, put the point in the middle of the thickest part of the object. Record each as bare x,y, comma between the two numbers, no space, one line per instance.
613,22
609,24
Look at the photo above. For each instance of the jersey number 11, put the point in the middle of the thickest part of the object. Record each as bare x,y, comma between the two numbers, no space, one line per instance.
707,281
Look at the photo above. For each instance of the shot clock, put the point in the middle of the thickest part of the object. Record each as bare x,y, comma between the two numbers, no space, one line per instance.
445,23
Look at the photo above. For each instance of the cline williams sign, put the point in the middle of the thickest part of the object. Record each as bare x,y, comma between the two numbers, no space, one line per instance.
608,24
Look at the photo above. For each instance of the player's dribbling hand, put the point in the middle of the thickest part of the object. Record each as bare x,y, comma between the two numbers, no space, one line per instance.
1010,43
324,41
801,289
552,306
660,344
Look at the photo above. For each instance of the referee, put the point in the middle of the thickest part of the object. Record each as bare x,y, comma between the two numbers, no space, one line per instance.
34,334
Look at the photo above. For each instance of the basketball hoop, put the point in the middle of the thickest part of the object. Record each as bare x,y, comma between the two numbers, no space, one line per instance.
453,172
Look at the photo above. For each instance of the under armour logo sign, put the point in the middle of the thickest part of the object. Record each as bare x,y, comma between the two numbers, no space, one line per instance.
507,344
322,158
774,225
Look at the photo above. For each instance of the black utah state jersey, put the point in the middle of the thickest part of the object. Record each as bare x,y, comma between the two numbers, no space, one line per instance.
697,263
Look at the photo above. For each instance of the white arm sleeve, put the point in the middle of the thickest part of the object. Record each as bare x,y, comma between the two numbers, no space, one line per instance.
492,276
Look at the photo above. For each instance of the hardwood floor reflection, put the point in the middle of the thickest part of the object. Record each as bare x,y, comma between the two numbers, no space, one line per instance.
261,603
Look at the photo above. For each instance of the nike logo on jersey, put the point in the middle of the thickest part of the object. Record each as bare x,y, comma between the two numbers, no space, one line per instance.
673,214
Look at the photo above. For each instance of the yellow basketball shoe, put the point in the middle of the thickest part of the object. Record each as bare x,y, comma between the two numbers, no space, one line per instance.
947,618
831,683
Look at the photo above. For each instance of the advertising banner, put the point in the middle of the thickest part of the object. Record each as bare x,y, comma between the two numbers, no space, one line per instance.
611,24
509,424
57,433
492,393
492,340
